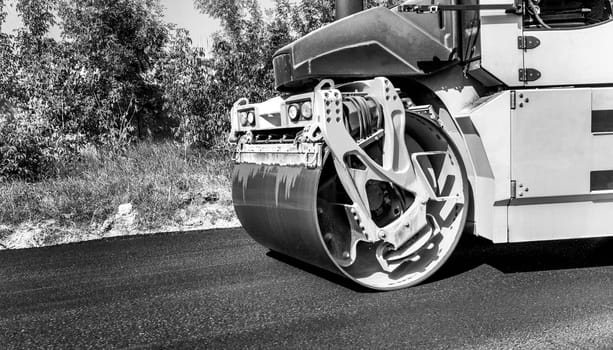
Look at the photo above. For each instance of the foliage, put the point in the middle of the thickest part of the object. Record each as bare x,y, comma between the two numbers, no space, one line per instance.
310,15
37,16
386,3
22,148
127,38
183,74
87,88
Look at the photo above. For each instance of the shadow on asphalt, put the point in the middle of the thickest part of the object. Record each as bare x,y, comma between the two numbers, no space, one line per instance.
473,252
325,274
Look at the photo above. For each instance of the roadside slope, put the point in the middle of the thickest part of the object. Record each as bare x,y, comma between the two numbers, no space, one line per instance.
152,187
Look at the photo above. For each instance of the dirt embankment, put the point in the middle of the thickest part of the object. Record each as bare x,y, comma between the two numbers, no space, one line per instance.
125,222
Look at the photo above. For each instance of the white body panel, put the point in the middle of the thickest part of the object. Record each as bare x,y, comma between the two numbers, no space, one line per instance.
553,152
551,141
499,53
560,221
572,56
491,118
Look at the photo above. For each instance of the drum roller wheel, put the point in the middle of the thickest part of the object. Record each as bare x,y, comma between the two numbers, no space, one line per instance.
307,213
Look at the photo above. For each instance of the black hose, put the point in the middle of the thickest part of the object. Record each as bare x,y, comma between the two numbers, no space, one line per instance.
470,45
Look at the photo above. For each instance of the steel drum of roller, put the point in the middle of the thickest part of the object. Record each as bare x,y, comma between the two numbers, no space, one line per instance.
309,213
277,206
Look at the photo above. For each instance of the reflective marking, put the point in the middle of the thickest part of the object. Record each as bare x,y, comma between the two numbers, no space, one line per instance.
601,180
602,121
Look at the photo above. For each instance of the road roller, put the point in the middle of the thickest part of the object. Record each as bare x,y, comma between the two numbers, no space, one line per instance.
397,130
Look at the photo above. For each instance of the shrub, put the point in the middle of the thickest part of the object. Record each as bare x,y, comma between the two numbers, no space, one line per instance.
23,148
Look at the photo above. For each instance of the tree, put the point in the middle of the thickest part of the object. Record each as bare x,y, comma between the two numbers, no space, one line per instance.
279,30
37,16
28,137
386,3
90,87
312,14
228,11
239,64
7,62
183,75
115,42
3,14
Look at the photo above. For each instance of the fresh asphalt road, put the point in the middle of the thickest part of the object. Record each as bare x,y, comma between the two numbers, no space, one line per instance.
219,289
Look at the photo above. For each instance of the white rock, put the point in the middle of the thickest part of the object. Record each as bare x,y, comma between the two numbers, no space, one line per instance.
124,209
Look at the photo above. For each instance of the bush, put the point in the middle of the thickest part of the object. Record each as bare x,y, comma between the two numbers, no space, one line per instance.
22,152
31,148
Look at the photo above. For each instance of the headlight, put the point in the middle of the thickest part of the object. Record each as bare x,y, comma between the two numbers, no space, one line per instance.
306,110
293,112
251,118
243,118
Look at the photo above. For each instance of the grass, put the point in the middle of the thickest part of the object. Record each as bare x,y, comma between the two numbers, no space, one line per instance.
157,178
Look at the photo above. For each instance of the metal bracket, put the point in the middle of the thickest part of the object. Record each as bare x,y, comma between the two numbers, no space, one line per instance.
529,74
309,155
527,42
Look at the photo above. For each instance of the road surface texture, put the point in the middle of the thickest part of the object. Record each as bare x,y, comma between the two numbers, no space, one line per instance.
219,289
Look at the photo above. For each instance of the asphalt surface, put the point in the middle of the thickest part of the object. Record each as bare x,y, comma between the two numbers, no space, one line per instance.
219,289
